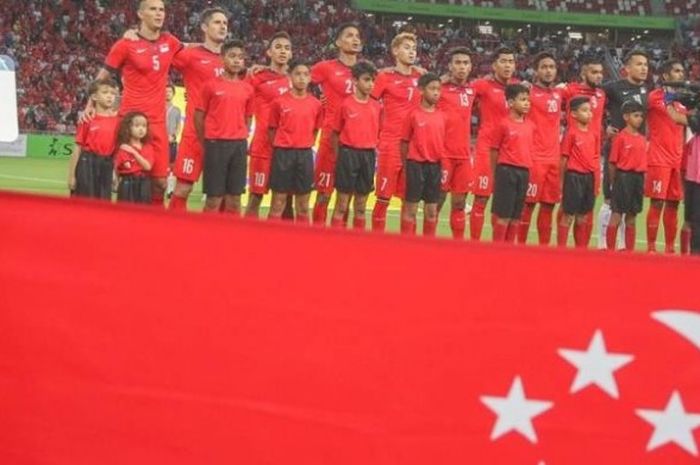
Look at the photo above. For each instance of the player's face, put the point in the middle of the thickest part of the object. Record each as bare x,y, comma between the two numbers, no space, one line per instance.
638,68
169,94
634,119
583,114
460,67
301,77
280,51
431,92
364,84
152,14
105,97
546,71
677,73
349,41
593,75
504,66
405,52
521,103
216,30
234,60
139,128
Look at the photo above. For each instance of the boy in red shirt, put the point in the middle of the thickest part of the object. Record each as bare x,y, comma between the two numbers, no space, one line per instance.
628,163
511,159
295,119
580,150
90,167
356,131
222,120
422,147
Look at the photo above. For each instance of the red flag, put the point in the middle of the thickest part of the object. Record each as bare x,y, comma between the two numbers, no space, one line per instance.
133,336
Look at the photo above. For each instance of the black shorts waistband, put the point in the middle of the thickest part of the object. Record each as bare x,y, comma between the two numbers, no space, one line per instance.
629,171
508,165
219,141
134,175
578,173
423,162
293,149
355,149
95,154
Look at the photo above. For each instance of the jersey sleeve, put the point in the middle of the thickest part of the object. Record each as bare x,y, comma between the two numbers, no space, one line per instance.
655,101
615,149
176,45
274,120
566,144
479,87
181,60
319,116
80,134
318,73
379,86
117,55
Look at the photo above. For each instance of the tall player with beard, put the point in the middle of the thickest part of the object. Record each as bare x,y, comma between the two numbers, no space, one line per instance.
397,88
493,109
544,186
144,65
198,65
334,77
455,102
269,84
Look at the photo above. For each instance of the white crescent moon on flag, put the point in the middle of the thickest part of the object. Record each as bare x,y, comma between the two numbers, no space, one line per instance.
683,322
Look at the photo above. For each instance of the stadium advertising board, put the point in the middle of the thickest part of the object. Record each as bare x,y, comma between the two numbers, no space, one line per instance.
9,128
15,148
50,145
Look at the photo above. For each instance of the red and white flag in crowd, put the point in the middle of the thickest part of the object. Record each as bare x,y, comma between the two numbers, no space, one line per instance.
137,336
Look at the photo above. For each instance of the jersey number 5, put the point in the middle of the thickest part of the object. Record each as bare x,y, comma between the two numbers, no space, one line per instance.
156,63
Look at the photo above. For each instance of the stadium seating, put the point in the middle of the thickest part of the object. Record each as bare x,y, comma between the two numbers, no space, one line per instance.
622,7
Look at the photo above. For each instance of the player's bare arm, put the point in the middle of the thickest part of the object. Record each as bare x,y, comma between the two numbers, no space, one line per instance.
72,165
335,141
199,125
493,154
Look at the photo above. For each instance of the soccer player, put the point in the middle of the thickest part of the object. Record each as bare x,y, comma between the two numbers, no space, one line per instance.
511,159
334,77
397,88
579,163
545,113
174,124
222,119
198,65
422,147
633,87
134,159
355,137
269,84
295,119
628,163
90,167
144,65
456,99
490,96
666,121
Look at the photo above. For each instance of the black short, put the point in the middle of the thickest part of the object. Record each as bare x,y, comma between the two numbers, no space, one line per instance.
354,171
134,188
627,192
607,185
509,190
423,181
578,197
173,152
93,176
688,204
225,167
292,171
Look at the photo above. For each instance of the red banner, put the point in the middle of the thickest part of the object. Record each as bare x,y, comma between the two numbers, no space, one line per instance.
133,336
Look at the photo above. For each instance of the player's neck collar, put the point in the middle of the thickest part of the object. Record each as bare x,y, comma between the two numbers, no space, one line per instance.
160,34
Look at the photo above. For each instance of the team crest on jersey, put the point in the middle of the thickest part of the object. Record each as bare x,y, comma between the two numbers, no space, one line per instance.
415,83
164,48
469,91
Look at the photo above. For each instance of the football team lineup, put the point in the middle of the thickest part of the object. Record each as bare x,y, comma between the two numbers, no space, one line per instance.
543,150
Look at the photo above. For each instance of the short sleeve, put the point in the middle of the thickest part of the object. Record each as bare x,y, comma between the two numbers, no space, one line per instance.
479,87
319,116
250,103
274,114
379,86
318,73
81,134
175,45
407,128
655,101
117,55
181,60
615,149
566,144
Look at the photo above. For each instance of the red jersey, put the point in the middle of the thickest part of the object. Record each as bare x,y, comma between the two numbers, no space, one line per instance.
125,163
99,135
198,65
425,133
227,105
629,151
358,123
545,114
597,97
456,103
268,86
666,137
581,148
399,95
514,141
296,120
144,67
335,80
493,108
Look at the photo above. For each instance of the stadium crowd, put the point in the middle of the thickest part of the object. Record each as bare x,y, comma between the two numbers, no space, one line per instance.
60,44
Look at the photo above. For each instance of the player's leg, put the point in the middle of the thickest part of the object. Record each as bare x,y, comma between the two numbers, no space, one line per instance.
432,174
342,202
521,184
259,184
237,171
301,205
277,203
359,211
104,178
483,180
534,187
364,184
670,219
159,171
303,184
387,178
549,196
458,184
280,181
630,232
217,156
611,231
656,187
324,177
415,186
172,156
687,219
346,172
187,170
570,206
504,199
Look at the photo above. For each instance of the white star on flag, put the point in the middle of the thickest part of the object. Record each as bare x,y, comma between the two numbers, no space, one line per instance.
596,365
673,424
515,412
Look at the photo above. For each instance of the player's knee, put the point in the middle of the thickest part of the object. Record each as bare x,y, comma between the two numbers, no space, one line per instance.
673,204
322,199
459,203
182,189
481,200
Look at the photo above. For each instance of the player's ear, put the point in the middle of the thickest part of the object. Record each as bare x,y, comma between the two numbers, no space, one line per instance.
268,52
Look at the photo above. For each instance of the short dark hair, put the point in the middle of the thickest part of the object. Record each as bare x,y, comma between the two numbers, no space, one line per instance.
542,56
343,26
576,102
513,90
502,50
591,60
635,53
363,67
297,63
209,13
668,65
233,43
458,51
96,84
632,106
279,35
124,131
426,79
